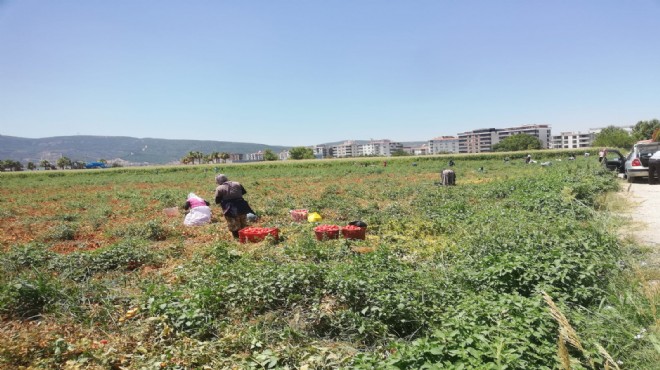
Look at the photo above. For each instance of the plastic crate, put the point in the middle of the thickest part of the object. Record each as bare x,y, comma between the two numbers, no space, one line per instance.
257,234
325,232
354,232
299,215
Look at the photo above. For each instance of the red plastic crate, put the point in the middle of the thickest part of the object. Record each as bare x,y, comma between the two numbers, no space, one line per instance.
325,232
299,215
354,232
257,234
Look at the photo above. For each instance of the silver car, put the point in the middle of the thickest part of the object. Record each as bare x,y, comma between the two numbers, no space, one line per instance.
637,162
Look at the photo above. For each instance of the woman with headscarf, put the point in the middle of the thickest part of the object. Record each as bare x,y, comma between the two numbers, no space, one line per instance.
229,195
199,212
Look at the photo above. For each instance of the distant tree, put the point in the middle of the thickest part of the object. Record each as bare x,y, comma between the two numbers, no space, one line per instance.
77,165
116,164
517,142
399,153
45,164
656,135
214,157
104,161
224,156
188,159
10,165
31,166
301,152
643,130
269,155
614,137
192,155
63,162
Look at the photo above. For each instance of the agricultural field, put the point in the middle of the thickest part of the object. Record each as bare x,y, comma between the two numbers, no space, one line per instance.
516,267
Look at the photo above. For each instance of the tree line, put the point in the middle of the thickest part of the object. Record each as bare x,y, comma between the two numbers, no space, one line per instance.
617,137
193,157
10,165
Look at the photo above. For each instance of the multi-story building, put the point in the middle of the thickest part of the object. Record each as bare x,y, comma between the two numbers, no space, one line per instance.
477,141
443,144
379,148
572,140
258,156
283,155
482,140
236,157
541,132
346,149
420,150
322,151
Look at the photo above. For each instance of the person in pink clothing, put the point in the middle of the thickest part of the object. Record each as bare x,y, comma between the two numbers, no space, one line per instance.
199,212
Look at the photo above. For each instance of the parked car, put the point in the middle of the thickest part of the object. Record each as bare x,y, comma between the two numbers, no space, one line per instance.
614,161
637,162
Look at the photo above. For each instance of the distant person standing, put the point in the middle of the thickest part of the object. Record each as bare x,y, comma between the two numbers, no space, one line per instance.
229,195
654,168
601,155
528,158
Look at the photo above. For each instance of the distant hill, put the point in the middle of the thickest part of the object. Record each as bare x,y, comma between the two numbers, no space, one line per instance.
134,150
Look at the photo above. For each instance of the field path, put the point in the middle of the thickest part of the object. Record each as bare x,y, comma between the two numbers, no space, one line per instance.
645,226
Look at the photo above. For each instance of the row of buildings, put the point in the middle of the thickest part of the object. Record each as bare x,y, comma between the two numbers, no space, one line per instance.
475,141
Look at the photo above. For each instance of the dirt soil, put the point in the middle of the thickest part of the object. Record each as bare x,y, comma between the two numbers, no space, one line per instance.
645,225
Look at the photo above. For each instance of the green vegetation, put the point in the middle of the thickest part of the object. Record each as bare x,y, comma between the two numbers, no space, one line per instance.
517,266
518,142
614,137
644,130
301,152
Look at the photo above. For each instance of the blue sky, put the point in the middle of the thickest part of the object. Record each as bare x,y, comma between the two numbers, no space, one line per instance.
301,72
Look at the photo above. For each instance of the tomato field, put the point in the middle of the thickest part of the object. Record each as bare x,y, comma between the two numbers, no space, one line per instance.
517,266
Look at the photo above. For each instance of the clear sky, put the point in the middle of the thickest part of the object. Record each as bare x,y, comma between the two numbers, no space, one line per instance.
302,72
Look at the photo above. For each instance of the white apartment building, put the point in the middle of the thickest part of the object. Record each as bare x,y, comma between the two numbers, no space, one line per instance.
442,144
258,156
572,140
283,155
541,132
379,148
322,151
346,149
420,150
482,140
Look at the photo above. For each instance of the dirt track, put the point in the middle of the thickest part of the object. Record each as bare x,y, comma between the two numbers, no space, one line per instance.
645,225
646,211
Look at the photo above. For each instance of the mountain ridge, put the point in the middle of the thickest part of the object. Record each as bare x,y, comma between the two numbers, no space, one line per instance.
89,148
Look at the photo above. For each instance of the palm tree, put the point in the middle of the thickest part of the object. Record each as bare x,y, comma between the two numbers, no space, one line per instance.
191,156
199,156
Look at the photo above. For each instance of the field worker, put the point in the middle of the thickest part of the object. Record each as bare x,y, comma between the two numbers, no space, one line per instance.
654,167
198,209
229,195
601,154
528,158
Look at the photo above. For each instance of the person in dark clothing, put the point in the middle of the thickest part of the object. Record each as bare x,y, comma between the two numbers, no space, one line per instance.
229,195
654,168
